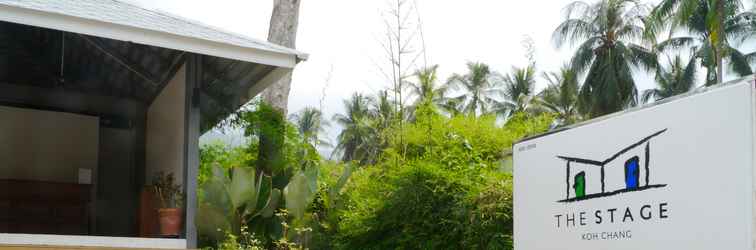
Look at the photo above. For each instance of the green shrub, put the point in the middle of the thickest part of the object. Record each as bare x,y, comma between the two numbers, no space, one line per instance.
289,162
223,154
463,143
448,192
490,220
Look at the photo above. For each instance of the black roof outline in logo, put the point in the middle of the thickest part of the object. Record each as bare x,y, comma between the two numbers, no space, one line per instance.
603,163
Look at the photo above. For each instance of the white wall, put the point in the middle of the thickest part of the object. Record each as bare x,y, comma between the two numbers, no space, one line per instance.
165,130
46,146
701,164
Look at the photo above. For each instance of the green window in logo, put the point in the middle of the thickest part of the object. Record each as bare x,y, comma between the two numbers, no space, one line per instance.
579,185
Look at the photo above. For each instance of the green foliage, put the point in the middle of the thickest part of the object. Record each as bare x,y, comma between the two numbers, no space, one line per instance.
448,192
478,85
425,87
423,179
269,126
242,186
364,126
244,241
561,96
678,79
465,142
311,125
168,191
233,200
417,208
276,146
606,32
328,205
225,156
710,28
300,191
519,88
427,206
490,218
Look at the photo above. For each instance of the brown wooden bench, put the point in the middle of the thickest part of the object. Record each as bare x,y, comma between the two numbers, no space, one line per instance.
39,207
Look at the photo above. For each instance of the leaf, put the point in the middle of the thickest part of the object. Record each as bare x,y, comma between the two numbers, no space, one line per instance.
298,194
212,222
342,181
272,204
312,174
214,190
241,188
263,192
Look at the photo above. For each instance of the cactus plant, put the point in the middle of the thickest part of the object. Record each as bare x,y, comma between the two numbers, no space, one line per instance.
300,191
228,202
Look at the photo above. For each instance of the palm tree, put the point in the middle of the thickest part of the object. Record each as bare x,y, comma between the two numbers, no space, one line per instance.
703,21
309,121
383,110
678,79
356,128
479,85
561,96
607,53
452,106
425,88
518,90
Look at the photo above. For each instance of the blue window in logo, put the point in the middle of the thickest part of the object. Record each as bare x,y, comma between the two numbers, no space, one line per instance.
632,172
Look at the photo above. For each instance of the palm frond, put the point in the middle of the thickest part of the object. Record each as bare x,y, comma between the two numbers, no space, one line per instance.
585,55
675,44
739,63
571,31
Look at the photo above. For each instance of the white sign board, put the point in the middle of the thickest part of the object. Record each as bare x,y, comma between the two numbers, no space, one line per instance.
672,176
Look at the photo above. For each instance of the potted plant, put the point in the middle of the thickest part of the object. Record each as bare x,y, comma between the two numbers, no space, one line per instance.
171,198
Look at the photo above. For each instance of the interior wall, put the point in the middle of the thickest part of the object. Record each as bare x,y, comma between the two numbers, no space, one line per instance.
117,180
164,150
47,146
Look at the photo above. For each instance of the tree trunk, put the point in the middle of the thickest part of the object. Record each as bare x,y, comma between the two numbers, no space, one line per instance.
719,49
720,70
282,31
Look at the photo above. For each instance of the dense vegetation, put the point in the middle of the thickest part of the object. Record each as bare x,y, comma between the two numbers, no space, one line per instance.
432,169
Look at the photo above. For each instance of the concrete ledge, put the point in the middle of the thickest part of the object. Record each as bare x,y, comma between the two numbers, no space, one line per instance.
37,241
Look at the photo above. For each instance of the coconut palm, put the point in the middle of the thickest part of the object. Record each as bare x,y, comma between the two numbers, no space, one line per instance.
561,96
678,79
383,110
356,127
479,86
702,28
425,89
606,31
309,121
711,26
452,106
518,89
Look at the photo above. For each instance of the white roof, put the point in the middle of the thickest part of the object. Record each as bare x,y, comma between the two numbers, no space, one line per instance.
128,22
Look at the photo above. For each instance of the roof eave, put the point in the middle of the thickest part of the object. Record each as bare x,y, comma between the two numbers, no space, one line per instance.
146,36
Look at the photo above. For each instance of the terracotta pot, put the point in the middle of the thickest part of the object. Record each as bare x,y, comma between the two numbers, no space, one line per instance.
170,221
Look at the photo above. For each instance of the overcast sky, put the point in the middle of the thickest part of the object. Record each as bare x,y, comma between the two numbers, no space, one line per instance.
342,37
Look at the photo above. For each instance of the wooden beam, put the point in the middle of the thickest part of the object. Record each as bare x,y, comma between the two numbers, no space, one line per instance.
122,60
178,61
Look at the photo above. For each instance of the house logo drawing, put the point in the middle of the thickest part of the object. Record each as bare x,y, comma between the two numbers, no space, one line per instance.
588,179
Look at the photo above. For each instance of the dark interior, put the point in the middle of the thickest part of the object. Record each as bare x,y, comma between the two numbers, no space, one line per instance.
44,207
116,81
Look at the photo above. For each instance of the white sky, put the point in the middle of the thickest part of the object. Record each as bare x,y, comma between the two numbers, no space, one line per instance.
343,35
